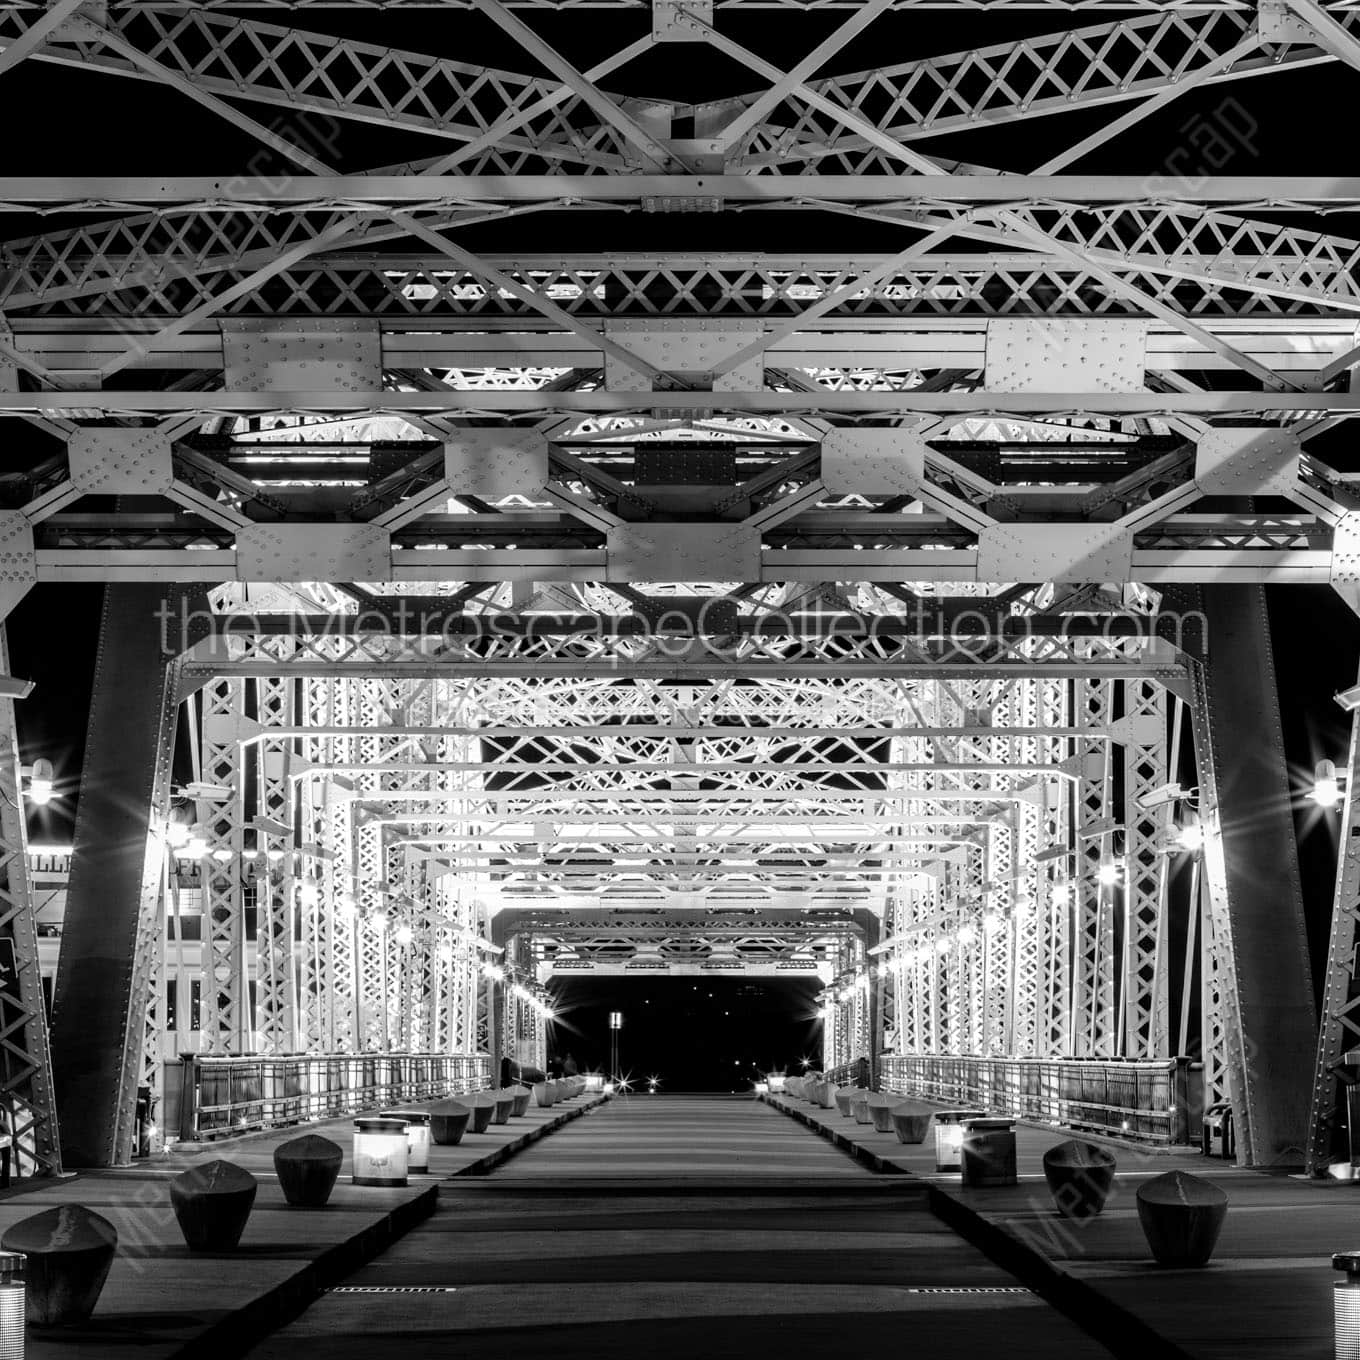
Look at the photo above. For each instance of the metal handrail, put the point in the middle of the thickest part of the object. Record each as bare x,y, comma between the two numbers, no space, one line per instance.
228,1095
1145,1100
857,1072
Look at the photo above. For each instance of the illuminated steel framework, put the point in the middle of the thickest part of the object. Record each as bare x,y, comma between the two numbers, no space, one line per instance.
839,611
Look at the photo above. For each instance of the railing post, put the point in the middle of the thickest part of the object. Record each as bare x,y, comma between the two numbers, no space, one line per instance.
188,1100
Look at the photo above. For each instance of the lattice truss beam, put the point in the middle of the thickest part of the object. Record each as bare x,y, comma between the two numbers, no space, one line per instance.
626,824
310,375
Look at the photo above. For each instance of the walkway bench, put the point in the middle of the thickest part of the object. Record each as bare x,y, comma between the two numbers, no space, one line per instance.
880,1111
449,1120
483,1105
1182,1216
69,1251
212,1204
308,1168
1080,1177
911,1122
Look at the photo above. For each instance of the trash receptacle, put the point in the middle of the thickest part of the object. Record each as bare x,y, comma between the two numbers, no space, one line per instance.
144,1121
1217,1138
988,1152
949,1137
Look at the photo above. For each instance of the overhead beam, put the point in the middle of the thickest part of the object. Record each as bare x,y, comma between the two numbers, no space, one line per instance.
1285,193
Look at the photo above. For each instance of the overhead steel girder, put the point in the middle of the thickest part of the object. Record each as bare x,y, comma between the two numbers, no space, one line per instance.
154,268
250,60
338,647
76,405
246,59
795,6
371,193
1032,77
473,347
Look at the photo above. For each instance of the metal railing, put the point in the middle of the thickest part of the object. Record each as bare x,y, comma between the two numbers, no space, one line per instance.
1149,1101
857,1072
222,1096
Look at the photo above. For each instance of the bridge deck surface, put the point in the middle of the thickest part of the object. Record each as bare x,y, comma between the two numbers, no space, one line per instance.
1267,1293
680,1225
162,1299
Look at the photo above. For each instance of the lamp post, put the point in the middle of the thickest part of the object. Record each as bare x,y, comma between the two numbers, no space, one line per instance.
615,1025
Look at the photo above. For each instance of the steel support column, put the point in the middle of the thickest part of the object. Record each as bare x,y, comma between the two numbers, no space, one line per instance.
25,1061
1264,995
113,906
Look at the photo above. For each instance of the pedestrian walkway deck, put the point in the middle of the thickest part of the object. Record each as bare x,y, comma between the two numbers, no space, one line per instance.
162,1300
1266,1295
680,1226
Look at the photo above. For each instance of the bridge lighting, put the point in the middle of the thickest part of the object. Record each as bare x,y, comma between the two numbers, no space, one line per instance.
403,934
196,843
993,921
1107,875
346,906
379,921
42,785
1161,796
1190,835
1061,894
967,935
309,892
944,944
1326,785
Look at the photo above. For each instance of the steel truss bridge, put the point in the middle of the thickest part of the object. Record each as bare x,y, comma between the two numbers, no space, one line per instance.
525,611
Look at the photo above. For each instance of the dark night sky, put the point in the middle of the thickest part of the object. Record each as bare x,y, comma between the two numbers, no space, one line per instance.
695,1034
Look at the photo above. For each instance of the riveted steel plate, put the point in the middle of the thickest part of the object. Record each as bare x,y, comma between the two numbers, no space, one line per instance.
335,355
1245,461
683,552
1043,354
1279,24
1054,552
873,462
120,462
18,563
313,552
1345,568
671,23
687,346
495,463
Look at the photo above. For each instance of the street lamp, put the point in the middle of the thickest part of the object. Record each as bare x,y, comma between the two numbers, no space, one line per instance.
615,1025
1190,835
1326,785
42,782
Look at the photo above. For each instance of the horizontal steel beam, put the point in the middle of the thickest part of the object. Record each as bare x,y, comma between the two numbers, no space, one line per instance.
88,404
369,193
